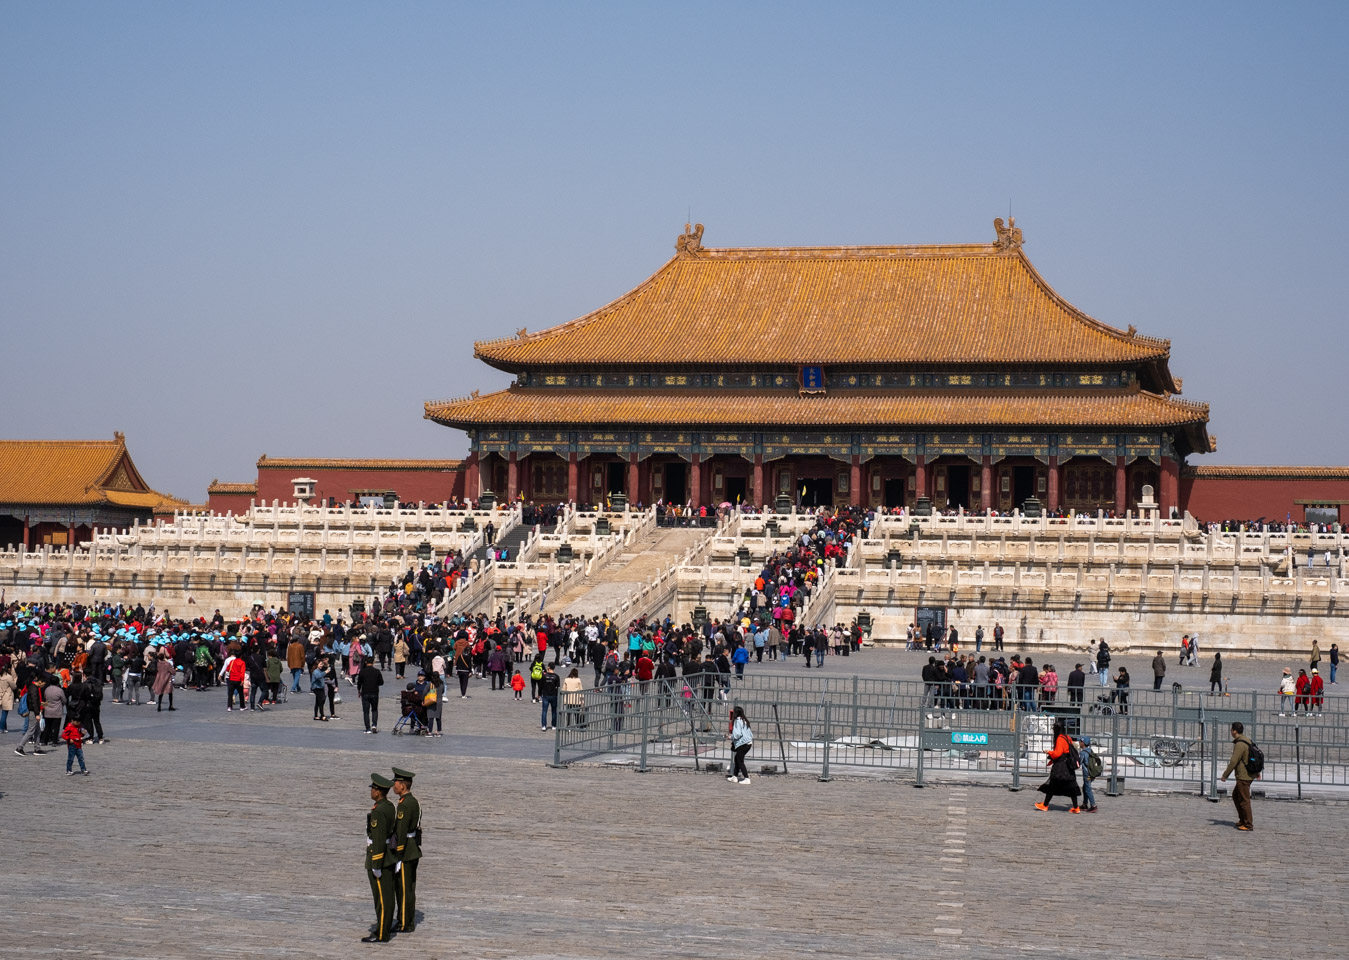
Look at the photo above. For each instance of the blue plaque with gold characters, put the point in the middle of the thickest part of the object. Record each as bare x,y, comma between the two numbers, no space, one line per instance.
812,379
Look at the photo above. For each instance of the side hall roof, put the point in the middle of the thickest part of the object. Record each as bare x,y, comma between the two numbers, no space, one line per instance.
74,472
856,305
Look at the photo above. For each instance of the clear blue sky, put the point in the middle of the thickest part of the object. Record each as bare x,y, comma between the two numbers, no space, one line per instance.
240,228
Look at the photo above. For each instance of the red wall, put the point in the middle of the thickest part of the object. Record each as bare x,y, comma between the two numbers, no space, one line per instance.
229,502
412,486
1250,498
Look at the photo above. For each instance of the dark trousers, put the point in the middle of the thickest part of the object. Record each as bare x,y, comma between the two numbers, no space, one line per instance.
405,895
1157,683
463,683
235,686
93,721
739,769
381,890
1241,798
318,703
370,711
498,680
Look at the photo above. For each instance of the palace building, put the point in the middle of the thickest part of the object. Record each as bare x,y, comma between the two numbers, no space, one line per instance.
57,492
835,375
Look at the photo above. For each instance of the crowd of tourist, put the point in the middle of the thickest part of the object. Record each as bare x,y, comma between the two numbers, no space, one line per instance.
57,660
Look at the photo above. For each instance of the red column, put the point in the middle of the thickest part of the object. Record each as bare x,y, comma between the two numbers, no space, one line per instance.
986,483
757,490
471,488
1170,485
1121,488
573,477
27,532
696,482
920,485
1054,473
512,479
855,481
634,488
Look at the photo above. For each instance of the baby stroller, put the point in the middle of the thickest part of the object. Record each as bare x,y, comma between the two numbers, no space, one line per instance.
413,720
1104,705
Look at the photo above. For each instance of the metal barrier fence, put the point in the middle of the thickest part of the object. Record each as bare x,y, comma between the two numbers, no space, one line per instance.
823,724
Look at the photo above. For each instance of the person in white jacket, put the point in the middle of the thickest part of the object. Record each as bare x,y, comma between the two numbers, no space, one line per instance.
742,737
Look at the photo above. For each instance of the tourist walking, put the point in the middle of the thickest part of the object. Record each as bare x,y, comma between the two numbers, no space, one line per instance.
1241,793
368,682
53,709
74,738
134,672
1215,676
32,723
435,709
1062,761
1287,688
9,689
549,685
1334,660
318,687
1103,662
162,685
1085,753
742,738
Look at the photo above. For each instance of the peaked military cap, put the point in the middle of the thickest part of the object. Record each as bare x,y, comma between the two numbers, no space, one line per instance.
400,774
384,783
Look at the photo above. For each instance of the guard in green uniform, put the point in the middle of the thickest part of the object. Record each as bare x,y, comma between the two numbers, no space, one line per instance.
379,862
408,848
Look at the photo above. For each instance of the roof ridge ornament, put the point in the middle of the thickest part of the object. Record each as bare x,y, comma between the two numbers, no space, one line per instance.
1009,235
690,242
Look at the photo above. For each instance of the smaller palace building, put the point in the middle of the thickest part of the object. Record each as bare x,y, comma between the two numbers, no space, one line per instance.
337,481
58,491
869,376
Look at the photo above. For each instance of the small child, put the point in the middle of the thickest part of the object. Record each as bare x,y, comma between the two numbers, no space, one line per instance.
518,685
74,738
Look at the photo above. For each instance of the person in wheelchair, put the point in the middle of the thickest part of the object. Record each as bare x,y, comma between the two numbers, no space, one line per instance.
411,702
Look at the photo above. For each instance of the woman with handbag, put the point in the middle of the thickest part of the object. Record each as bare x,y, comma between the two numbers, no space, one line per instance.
1062,780
434,703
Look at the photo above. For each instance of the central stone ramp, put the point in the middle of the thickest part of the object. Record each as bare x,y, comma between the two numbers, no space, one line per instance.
606,589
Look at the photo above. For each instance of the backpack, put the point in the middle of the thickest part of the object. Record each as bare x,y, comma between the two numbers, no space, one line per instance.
1094,765
1255,760
536,671
1074,760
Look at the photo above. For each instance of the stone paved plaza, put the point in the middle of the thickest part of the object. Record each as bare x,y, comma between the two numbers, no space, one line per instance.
206,834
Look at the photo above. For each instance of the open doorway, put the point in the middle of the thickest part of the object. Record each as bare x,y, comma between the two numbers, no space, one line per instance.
1023,485
676,483
616,475
958,486
735,489
817,492
894,492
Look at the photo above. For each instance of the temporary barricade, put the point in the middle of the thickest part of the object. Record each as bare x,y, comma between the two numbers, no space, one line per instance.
828,724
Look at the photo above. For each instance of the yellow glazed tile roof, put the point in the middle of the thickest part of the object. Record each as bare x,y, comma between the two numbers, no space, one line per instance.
217,486
1271,472
73,472
302,463
538,406
957,304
